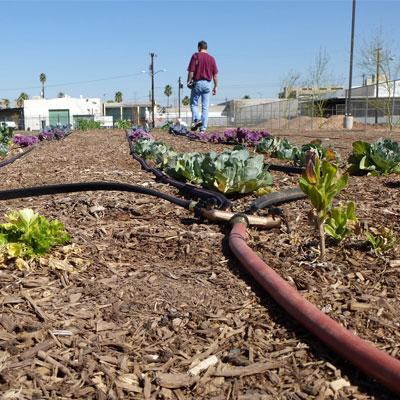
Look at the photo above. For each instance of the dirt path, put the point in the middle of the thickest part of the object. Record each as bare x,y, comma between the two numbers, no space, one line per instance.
145,292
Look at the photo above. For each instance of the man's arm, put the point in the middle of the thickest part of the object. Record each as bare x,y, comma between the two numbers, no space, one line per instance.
190,77
215,79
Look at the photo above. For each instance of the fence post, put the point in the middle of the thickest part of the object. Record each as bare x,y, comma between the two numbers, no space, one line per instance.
366,110
394,92
312,112
279,115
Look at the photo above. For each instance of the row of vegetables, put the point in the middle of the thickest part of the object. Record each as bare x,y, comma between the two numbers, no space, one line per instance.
232,171
239,171
381,157
7,138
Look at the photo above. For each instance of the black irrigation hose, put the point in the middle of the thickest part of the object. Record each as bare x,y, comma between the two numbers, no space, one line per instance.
286,168
275,198
89,186
16,157
217,199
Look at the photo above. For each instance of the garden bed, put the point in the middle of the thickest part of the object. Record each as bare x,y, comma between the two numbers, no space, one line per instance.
145,291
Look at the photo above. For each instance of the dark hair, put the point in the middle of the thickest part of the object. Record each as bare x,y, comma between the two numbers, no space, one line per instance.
202,45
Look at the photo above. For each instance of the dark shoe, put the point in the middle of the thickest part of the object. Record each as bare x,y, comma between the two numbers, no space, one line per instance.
195,125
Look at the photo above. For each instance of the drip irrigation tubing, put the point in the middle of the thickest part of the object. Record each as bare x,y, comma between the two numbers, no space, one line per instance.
366,357
275,199
286,168
89,186
16,157
210,197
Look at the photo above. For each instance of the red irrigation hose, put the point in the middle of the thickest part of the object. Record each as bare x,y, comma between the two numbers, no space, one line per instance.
373,362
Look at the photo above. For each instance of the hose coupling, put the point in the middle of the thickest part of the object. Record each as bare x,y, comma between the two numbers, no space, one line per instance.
240,218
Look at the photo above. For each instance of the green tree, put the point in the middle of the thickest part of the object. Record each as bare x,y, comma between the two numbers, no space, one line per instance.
246,97
185,101
42,78
168,92
118,97
20,101
61,95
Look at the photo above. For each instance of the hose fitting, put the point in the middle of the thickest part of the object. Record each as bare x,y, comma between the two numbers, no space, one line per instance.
240,218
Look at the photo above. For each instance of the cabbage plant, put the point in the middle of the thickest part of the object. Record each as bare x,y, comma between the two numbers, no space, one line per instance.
381,157
235,171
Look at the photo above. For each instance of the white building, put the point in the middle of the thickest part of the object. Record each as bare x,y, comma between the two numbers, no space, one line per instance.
39,112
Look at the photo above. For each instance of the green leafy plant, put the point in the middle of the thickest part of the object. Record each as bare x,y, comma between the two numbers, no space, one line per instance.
86,124
235,171
381,240
123,124
381,157
324,153
338,222
27,234
277,147
157,151
187,166
6,134
282,149
321,182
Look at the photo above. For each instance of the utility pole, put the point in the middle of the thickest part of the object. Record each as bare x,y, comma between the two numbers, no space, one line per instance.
153,123
180,86
348,120
378,62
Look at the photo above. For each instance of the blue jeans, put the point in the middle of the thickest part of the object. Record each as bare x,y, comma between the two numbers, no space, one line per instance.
201,89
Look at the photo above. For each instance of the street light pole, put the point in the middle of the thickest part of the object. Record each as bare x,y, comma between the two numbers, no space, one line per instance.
348,119
378,62
153,123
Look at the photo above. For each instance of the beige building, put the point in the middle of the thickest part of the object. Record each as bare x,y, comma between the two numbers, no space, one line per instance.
306,92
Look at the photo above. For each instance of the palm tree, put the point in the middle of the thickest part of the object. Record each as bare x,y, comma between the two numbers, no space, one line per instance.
168,92
118,97
6,103
42,78
61,95
20,101
185,101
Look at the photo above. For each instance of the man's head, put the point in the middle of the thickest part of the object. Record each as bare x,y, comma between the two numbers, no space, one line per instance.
202,45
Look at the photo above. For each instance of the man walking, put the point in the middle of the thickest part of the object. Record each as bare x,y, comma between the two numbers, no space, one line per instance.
201,71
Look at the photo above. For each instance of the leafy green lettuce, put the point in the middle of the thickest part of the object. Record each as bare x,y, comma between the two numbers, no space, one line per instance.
27,234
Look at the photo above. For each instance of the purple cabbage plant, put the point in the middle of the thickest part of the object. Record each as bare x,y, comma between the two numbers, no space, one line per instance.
25,140
137,134
234,136
46,135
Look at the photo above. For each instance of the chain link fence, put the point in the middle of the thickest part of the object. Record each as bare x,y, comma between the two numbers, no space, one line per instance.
376,105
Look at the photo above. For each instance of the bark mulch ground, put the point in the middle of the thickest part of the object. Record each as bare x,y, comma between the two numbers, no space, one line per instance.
145,293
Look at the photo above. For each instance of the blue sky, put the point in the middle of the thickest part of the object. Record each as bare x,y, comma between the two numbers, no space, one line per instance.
255,43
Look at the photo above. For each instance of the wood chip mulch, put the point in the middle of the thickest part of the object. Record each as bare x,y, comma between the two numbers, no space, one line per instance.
148,303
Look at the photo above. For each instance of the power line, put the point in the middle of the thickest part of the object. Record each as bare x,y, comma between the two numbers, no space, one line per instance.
74,83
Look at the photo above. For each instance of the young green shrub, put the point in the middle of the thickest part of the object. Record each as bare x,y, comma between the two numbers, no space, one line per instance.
381,240
86,124
338,223
123,124
321,182
27,234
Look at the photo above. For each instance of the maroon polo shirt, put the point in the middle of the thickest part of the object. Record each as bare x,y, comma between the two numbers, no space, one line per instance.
203,66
